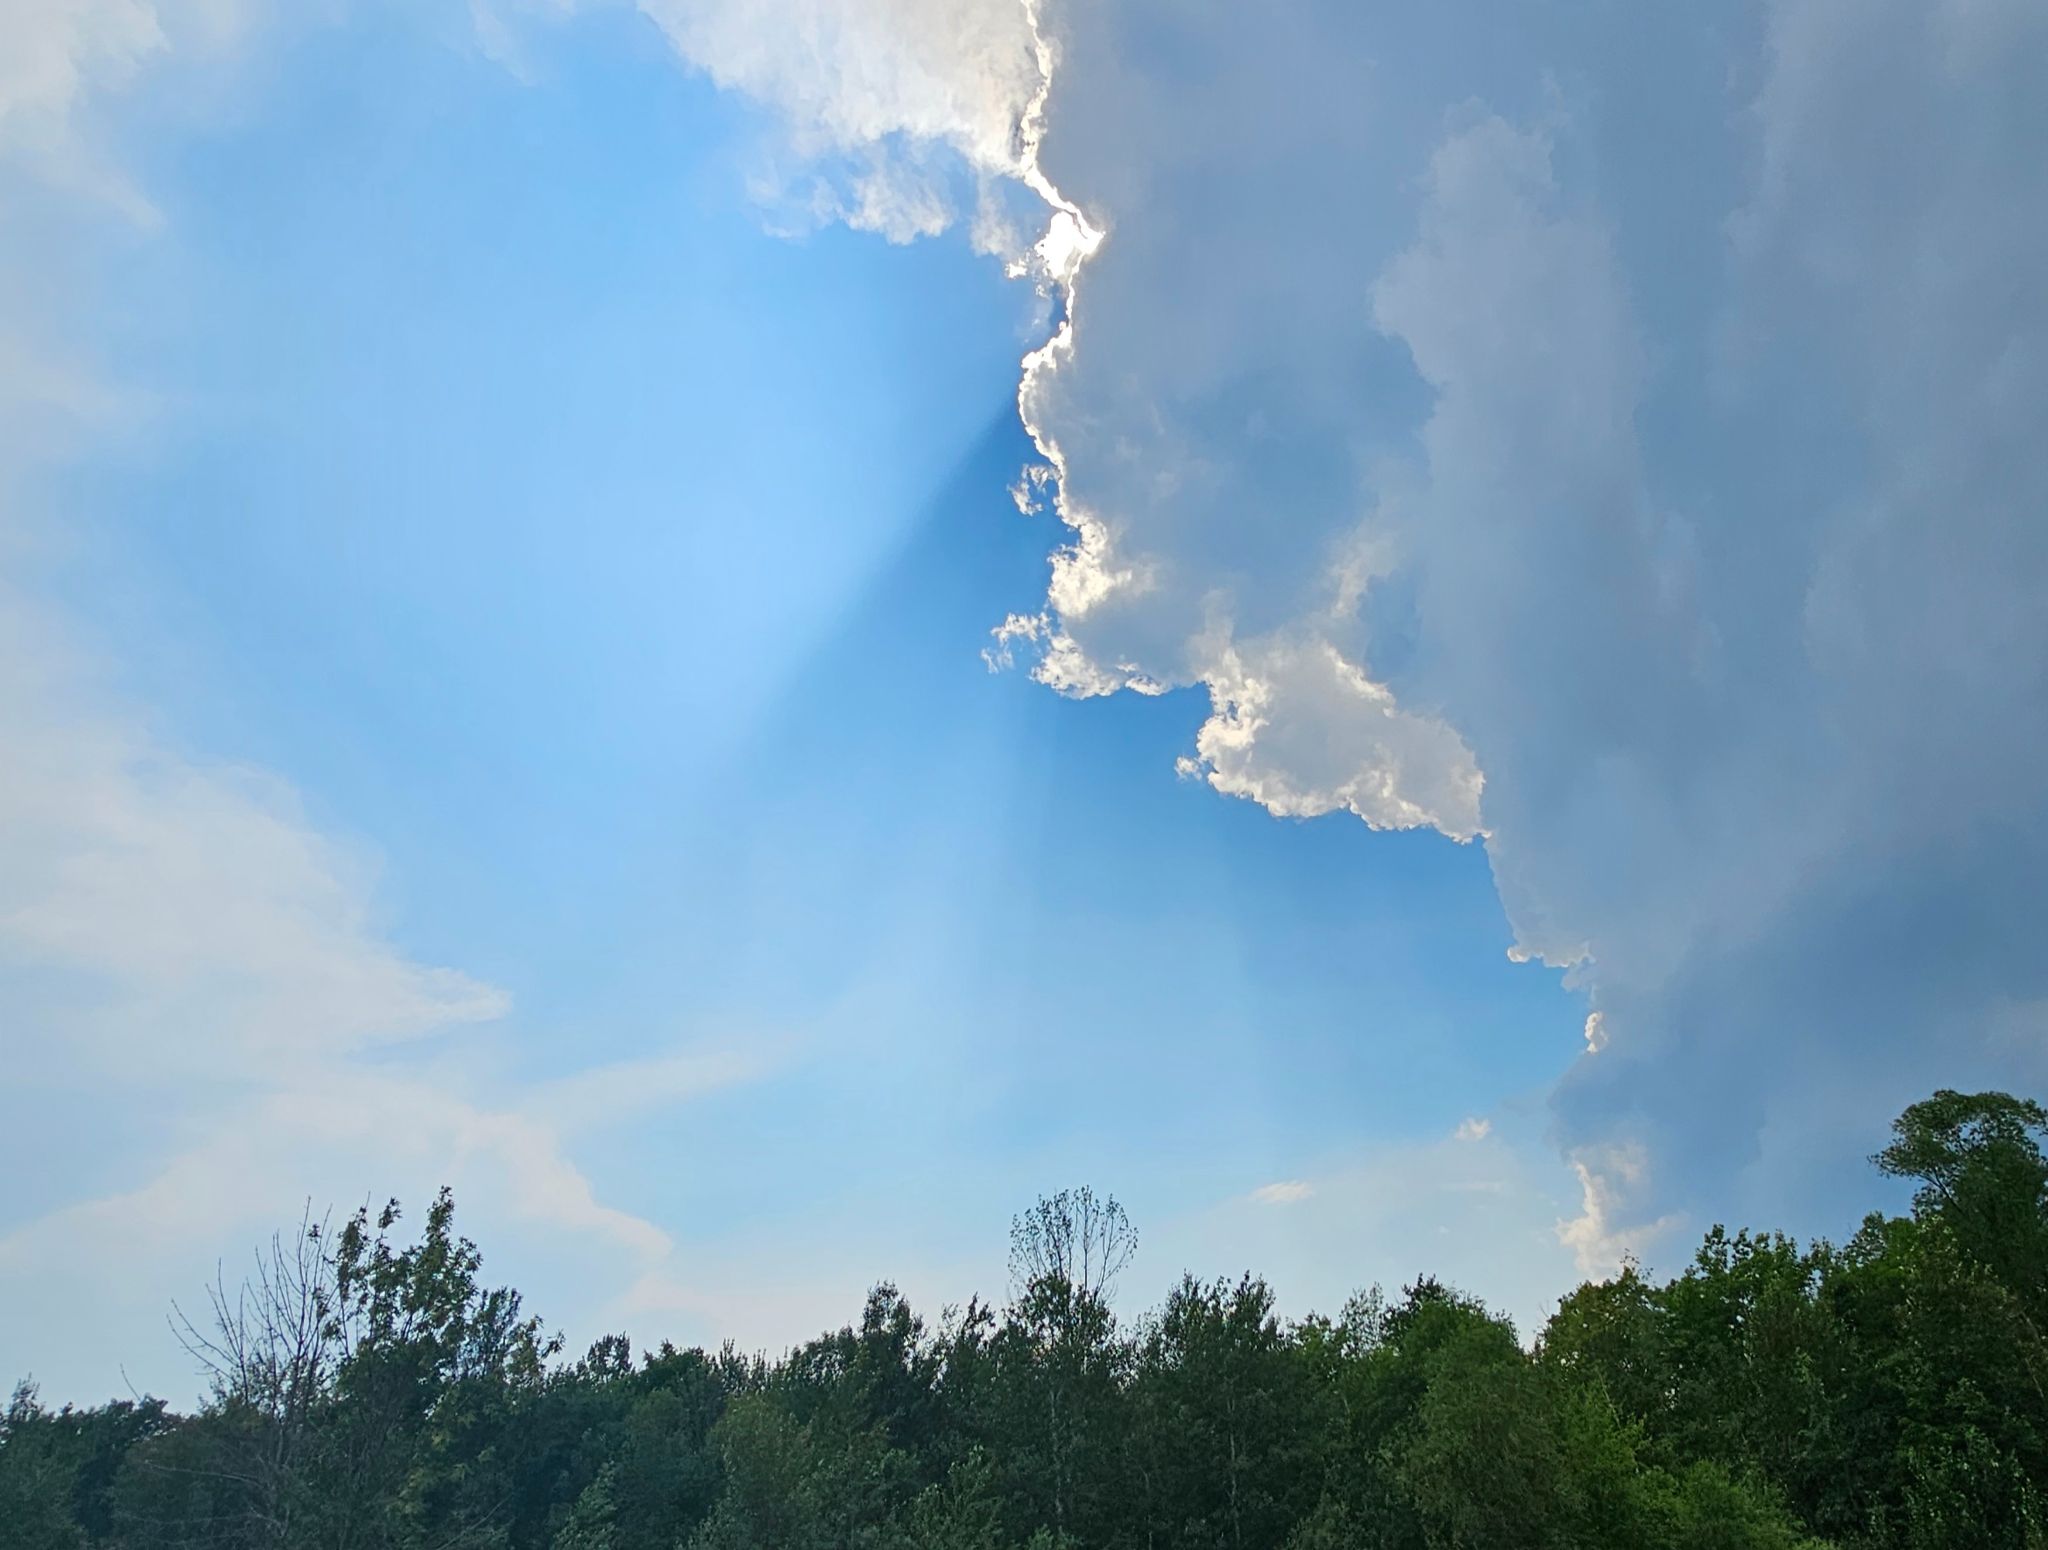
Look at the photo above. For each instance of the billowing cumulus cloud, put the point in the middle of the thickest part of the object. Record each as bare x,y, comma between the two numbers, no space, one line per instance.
1617,437
852,73
889,104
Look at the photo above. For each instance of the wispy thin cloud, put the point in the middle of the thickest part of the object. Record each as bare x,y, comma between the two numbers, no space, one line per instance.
1286,1192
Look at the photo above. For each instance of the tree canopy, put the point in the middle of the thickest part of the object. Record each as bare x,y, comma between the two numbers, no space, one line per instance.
374,1393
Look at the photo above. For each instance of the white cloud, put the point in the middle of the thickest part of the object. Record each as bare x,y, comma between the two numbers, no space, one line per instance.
609,1095
898,117
1475,1128
60,51
66,59
186,946
227,935
849,74
1302,731
1286,1192
87,1287
1612,1182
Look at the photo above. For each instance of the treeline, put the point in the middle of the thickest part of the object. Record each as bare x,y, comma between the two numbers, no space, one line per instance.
369,1392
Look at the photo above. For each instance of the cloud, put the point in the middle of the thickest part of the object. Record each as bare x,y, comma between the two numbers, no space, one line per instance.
1240,571
66,60
1606,1234
852,73
1619,442
62,51
87,1286
1302,731
898,117
207,968
608,1095
223,932
1285,1193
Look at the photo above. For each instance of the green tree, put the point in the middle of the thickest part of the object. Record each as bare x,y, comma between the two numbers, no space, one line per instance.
1219,1402
1982,1176
772,1483
371,1393
1060,1360
963,1512
592,1523
38,1477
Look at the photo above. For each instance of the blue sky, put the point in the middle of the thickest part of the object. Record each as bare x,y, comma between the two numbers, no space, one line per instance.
615,573
506,506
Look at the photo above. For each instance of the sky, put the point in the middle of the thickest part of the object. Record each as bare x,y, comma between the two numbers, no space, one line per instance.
753,633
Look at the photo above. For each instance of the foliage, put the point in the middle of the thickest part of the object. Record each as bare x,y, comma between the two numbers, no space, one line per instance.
368,1393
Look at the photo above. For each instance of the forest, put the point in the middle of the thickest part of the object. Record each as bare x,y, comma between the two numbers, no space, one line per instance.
368,1389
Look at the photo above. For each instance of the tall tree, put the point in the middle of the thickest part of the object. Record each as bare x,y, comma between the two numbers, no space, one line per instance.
1982,1175
1059,1352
